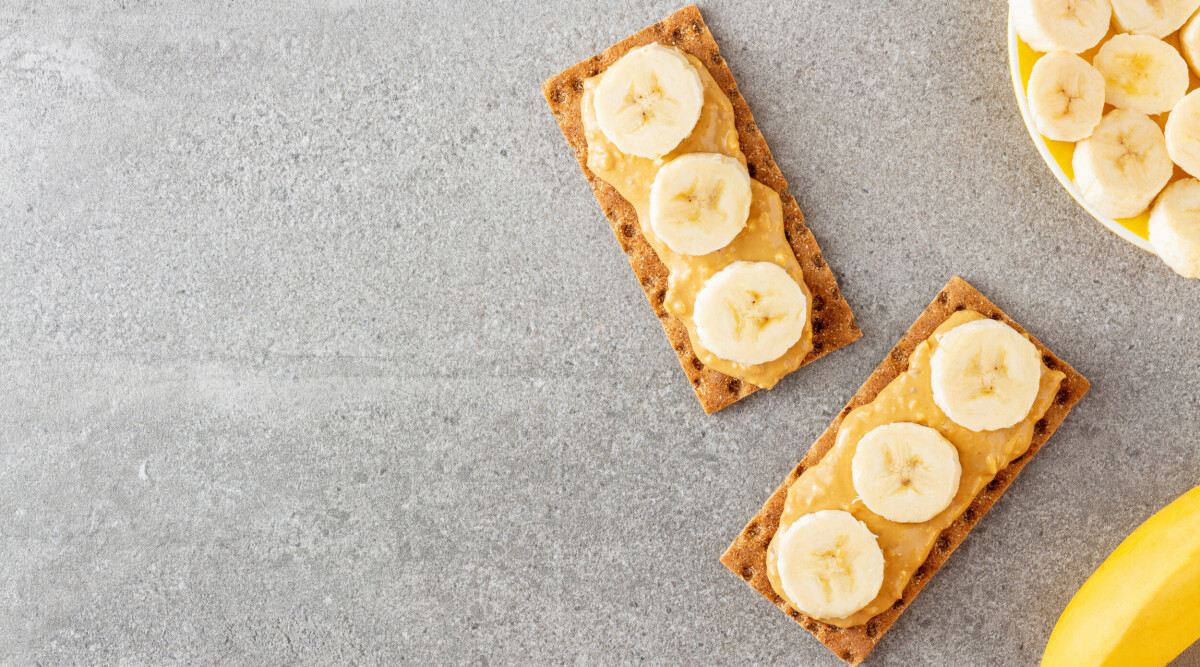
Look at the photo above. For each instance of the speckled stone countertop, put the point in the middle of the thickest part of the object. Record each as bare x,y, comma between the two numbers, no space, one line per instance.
316,348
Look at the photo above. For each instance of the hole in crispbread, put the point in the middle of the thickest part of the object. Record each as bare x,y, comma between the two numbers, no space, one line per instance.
558,96
818,346
747,573
793,612
968,514
751,128
696,27
872,628
627,230
942,544
1050,362
697,364
818,302
715,59
734,385
752,169
959,307
577,84
1062,396
818,325
752,530
919,574
898,604
810,625
818,262
992,485
1040,427
848,655
800,468
898,355
943,298
997,316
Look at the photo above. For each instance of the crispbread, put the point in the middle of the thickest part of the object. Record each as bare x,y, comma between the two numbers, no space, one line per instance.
833,323
746,557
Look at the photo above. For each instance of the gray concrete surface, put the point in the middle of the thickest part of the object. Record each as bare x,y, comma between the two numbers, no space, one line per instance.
315,347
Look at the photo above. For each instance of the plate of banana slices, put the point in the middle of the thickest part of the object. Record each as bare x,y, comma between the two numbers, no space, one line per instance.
1110,94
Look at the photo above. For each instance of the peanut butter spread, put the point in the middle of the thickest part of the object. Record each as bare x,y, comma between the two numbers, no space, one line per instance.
908,398
761,240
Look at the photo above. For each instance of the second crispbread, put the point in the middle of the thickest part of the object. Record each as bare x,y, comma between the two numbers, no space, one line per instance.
832,322
746,557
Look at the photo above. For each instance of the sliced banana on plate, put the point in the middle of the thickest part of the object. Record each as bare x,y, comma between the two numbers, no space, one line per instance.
1175,227
1066,96
905,472
1189,43
830,565
1157,18
699,202
1141,73
750,312
984,375
1183,133
649,101
1060,25
1123,165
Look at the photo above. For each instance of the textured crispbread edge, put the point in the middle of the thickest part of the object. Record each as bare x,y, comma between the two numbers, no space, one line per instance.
747,555
833,323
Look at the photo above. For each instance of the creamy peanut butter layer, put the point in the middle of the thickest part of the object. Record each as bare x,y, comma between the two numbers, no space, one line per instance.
761,240
908,398
829,324
899,391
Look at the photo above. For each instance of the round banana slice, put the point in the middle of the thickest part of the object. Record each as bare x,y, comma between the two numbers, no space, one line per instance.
905,472
1066,96
1189,43
1060,25
984,375
750,312
649,101
1141,73
1123,165
1175,227
1157,18
830,565
699,202
1183,133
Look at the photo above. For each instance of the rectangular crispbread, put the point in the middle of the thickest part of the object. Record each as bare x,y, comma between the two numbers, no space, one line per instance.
746,557
833,323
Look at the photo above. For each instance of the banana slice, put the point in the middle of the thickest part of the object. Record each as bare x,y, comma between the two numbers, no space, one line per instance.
905,472
984,375
1066,96
649,101
1157,18
830,565
1175,227
750,312
699,202
1060,25
1183,133
1141,73
1123,165
1189,43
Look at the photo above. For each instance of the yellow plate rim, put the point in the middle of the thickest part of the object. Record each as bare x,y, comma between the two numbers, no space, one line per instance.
1014,62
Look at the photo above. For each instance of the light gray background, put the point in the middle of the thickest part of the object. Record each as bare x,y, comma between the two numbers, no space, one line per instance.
315,347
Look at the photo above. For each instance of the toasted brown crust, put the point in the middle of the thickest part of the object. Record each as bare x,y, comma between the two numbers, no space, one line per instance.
747,555
833,323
